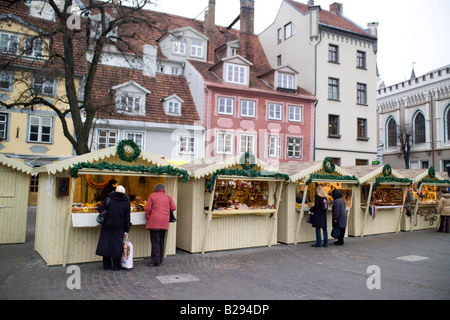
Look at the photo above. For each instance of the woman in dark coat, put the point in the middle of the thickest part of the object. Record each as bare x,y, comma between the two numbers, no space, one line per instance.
110,187
116,225
320,216
339,215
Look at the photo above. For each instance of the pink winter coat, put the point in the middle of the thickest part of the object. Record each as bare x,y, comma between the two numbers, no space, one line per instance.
157,210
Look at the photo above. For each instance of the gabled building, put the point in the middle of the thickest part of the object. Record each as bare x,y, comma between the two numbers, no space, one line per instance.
336,61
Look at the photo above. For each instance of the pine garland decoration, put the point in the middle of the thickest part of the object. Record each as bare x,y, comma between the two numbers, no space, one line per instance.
330,177
385,180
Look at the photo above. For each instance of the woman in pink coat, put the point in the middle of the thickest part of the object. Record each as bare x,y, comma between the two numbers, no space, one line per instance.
157,213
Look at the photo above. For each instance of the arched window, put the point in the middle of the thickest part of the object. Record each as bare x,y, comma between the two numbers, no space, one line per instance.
392,133
447,124
419,128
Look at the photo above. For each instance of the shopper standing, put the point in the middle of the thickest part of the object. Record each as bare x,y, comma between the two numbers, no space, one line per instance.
116,225
320,216
339,215
157,213
444,210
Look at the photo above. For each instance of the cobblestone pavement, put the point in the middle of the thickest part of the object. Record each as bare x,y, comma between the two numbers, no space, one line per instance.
282,272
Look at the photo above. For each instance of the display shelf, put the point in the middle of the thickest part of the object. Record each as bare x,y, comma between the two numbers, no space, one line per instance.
88,220
230,212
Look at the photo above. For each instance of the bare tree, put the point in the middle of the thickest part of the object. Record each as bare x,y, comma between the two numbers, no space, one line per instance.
94,27
404,135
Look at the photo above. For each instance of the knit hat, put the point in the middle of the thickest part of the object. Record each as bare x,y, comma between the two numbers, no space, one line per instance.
158,187
120,189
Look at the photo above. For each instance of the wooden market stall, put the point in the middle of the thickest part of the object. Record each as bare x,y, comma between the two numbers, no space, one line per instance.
14,189
66,227
298,197
379,200
229,203
427,186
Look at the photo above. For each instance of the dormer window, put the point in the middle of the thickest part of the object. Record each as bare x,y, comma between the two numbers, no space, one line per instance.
130,98
179,46
236,73
285,80
197,49
9,43
172,105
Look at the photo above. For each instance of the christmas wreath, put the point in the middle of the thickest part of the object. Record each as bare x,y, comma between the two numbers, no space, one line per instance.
122,153
431,172
387,170
328,165
247,161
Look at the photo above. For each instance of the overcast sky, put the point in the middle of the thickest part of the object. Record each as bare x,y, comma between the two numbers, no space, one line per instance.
409,31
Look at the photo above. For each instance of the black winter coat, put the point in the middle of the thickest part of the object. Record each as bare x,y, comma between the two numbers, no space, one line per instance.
117,222
320,212
339,210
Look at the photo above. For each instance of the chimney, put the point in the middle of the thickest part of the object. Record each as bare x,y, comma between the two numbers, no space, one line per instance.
310,3
314,16
373,26
337,7
247,23
209,26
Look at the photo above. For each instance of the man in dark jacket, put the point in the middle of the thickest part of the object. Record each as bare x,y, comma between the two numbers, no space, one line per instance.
339,215
116,225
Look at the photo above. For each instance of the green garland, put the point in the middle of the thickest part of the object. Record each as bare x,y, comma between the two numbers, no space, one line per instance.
123,155
431,172
387,170
330,177
431,181
328,165
139,168
385,180
247,157
244,173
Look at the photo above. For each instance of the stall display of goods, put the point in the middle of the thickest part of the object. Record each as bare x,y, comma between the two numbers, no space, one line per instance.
241,195
428,195
383,196
85,207
328,187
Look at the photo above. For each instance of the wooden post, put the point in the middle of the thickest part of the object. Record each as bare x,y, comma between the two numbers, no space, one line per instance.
208,222
174,182
278,195
369,196
300,217
416,208
401,209
68,223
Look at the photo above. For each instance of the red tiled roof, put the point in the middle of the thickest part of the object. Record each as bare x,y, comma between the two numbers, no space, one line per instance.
161,86
332,19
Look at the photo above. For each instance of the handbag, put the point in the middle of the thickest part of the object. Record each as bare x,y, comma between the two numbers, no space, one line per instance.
101,216
172,215
309,218
335,232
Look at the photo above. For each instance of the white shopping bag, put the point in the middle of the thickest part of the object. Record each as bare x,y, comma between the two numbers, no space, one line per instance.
127,254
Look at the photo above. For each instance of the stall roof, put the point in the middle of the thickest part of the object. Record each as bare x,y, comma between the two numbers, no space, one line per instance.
97,156
16,165
366,173
207,166
418,174
302,170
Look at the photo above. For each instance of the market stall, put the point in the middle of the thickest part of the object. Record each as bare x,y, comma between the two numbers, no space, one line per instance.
14,188
66,227
379,201
298,196
229,203
427,186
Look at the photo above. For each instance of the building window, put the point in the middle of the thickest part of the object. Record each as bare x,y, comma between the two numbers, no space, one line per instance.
248,108
236,73
224,143
175,70
361,59
274,146
186,144
9,43
333,53
137,137
34,183
294,148
3,126
289,30
333,126
295,113
419,128
392,133
279,61
362,128
160,68
43,86
361,162
447,123
285,80
226,106
40,129
279,36
33,47
275,111
130,104
6,80
179,46
174,108
361,93
333,89
247,143
197,49
106,138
